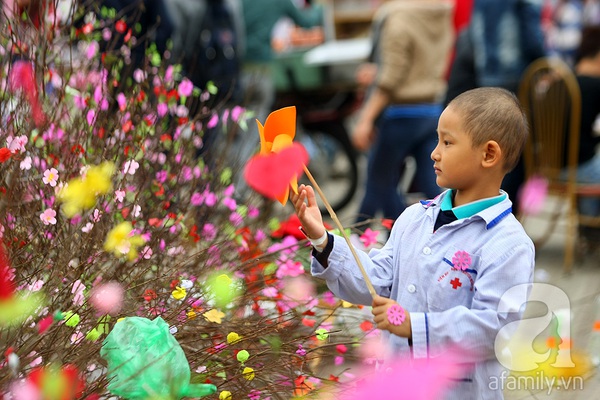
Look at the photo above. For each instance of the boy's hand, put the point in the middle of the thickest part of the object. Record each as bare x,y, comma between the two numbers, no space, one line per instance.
308,211
380,307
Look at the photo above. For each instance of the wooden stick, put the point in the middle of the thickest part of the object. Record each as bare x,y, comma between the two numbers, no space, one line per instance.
342,232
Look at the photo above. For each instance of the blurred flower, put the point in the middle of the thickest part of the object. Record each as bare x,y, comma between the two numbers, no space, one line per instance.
121,241
214,315
80,193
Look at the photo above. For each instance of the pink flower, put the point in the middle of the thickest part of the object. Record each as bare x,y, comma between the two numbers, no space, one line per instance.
289,268
26,163
162,109
185,88
92,50
16,144
139,75
369,237
214,120
130,167
301,351
122,101
197,199
50,177
77,290
230,203
120,195
461,260
48,217
396,314
90,117
209,231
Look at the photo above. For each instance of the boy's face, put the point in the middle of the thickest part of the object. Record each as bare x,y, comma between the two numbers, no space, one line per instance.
457,164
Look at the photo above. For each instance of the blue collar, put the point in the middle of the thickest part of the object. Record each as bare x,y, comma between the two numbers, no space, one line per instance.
470,209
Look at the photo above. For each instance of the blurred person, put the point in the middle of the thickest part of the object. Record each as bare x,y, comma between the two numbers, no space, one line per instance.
591,12
155,27
399,117
587,70
501,40
564,31
209,42
260,17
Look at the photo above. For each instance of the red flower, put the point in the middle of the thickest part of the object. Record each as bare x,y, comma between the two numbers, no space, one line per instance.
120,26
387,223
4,154
366,326
7,286
45,323
149,295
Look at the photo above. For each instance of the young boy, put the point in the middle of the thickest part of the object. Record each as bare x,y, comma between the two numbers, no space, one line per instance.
449,260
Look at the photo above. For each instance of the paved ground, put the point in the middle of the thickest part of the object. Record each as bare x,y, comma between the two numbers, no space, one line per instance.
581,286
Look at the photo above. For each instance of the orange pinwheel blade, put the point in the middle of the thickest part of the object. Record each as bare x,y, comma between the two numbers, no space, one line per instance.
280,122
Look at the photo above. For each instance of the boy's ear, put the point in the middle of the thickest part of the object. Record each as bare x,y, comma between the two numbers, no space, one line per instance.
492,154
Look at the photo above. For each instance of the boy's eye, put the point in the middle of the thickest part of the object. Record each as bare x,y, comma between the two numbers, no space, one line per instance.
446,143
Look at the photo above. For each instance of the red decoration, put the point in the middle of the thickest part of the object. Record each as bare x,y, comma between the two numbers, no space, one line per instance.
271,174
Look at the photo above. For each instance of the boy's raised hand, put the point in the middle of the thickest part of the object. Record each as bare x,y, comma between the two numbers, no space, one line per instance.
380,308
305,204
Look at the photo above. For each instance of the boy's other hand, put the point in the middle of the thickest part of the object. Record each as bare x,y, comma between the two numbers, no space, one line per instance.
305,204
380,307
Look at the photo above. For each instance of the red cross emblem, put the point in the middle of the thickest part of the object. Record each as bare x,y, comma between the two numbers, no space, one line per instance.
456,283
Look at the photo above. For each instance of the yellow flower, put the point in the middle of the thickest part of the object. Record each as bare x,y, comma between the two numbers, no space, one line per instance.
233,337
248,373
225,395
120,241
191,314
214,315
179,293
80,193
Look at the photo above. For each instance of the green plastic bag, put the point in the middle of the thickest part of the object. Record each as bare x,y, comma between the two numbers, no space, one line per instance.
146,362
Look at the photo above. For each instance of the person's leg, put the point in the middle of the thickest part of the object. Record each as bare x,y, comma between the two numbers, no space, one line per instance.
589,172
383,172
425,178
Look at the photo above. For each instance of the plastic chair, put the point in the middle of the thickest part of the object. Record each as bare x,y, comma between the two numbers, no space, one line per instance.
551,98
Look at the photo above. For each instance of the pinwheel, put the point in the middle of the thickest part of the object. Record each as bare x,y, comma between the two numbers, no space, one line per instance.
276,168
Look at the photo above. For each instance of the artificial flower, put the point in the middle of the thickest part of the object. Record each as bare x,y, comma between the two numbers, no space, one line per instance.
179,293
233,337
242,356
214,315
80,193
248,373
461,260
369,237
50,177
225,395
120,241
